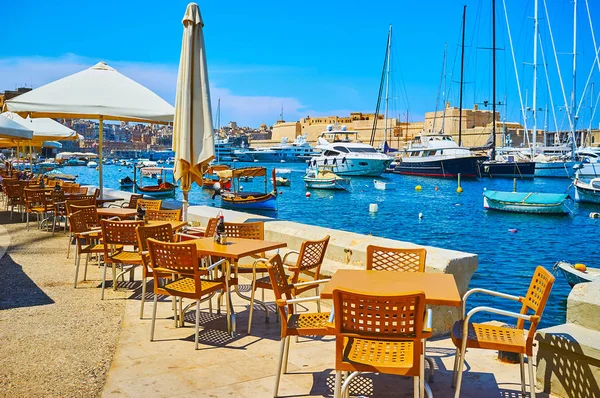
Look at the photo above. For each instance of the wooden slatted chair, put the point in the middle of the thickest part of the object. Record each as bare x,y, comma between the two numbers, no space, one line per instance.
84,227
380,334
118,237
488,337
293,324
36,202
381,258
181,261
132,204
149,204
164,215
161,232
15,197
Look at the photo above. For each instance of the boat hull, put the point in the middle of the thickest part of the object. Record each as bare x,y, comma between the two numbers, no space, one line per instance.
250,201
561,169
574,276
467,167
157,193
324,184
355,167
507,169
530,203
586,194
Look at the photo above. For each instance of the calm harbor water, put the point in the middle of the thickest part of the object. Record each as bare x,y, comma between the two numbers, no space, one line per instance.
450,220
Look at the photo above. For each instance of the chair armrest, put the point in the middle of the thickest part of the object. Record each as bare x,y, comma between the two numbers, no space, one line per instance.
317,282
498,312
117,218
282,302
259,260
114,205
286,256
187,236
92,232
486,291
212,266
196,229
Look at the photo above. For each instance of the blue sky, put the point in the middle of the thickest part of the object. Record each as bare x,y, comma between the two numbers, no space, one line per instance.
315,58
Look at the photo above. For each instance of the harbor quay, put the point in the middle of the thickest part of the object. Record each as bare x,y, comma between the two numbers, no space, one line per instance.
102,347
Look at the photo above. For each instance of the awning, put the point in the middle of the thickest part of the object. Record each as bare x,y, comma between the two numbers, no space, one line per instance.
245,172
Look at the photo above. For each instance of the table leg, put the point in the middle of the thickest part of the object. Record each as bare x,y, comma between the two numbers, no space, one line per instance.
230,311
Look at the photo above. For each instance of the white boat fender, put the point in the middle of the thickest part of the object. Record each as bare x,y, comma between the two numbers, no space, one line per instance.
594,215
420,216
373,208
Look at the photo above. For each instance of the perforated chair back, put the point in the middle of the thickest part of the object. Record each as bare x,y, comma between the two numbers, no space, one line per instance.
249,230
161,232
91,201
381,258
281,287
312,253
149,204
211,227
83,218
180,258
164,215
535,300
120,232
132,204
36,198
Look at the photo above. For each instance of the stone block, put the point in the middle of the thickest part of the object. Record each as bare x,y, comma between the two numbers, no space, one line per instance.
568,361
583,305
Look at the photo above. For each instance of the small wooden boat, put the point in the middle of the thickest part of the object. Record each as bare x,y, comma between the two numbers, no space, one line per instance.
574,276
162,189
126,182
587,192
526,202
384,185
282,177
210,178
323,177
236,199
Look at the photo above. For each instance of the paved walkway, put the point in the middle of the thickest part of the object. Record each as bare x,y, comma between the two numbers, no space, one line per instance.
245,365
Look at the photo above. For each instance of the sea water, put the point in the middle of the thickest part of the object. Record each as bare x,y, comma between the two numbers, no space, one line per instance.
451,220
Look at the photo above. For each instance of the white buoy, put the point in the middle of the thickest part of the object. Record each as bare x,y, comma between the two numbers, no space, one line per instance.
373,208
241,188
420,216
308,194
216,186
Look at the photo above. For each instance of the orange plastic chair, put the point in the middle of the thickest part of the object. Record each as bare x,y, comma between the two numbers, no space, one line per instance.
164,215
84,222
293,324
14,197
160,232
488,337
381,258
181,261
116,235
60,209
310,259
380,334
37,203
149,204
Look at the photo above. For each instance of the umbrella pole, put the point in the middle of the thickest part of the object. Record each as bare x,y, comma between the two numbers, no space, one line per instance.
185,204
100,136
30,159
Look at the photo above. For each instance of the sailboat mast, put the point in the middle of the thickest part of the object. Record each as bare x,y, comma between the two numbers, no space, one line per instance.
462,69
535,47
444,92
493,80
574,91
387,86
218,127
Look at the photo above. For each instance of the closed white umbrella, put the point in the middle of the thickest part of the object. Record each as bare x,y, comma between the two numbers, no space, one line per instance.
99,92
192,127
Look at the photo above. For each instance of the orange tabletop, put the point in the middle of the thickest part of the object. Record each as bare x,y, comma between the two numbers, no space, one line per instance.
175,225
439,289
235,248
116,211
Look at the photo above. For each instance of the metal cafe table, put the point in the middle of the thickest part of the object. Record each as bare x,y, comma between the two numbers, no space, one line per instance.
232,251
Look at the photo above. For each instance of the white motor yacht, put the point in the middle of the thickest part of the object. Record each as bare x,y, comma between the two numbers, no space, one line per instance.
341,149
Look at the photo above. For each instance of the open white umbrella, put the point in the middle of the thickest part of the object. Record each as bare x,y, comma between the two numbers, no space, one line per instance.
11,130
99,92
192,127
44,129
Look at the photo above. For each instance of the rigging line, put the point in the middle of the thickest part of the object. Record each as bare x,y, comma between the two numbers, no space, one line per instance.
372,140
594,111
543,53
562,86
593,34
512,50
585,88
437,100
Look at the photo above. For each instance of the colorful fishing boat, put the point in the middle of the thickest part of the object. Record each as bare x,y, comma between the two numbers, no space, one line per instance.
162,189
126,182
587,192
283,177
210,178
577,273
236,198
526,202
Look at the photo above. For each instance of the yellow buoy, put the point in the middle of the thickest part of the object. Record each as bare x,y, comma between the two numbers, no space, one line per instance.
580,267
418,188
459,190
